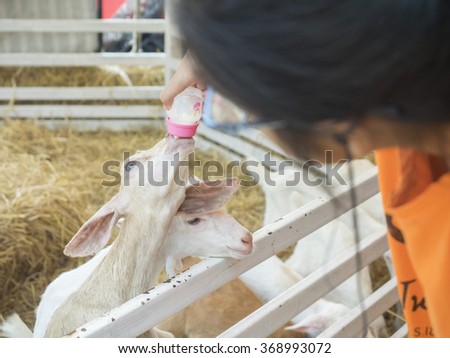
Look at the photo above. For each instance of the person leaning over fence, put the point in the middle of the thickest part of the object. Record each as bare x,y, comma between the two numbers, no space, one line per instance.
352,76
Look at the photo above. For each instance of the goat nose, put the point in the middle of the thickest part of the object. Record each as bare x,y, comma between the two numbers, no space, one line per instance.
247,239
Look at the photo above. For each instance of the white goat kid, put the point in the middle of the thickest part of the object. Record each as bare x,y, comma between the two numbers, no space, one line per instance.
149,209
201,227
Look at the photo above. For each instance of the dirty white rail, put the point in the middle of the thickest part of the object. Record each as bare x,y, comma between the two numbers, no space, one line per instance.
81,25
82,111
351,324
80,93
82,59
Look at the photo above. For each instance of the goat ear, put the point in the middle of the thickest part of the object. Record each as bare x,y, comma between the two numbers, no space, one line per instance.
96,232
209,195
120,222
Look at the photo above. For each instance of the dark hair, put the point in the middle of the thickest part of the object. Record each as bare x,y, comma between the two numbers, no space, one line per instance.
306,61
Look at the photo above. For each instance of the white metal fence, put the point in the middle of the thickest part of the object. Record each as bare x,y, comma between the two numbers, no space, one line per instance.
17,97
133,317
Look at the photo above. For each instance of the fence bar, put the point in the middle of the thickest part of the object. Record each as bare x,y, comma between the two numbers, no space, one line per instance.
81,111
82,25
79,93
82,59
377,303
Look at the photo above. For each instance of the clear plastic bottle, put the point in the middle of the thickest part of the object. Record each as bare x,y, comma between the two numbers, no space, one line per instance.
183,117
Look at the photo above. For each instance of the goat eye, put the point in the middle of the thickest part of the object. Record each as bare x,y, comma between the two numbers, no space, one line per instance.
130,165
194,221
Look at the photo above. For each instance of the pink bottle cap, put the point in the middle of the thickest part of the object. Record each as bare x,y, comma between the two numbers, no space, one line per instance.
181,130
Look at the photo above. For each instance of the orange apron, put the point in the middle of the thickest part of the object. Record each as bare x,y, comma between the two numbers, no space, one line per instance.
416,196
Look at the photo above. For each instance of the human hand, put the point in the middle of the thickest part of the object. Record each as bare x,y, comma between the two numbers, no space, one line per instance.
183,78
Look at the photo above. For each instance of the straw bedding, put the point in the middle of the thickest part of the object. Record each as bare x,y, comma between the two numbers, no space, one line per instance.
97,76
79,76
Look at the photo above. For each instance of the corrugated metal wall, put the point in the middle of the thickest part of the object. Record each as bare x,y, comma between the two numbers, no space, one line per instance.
50,42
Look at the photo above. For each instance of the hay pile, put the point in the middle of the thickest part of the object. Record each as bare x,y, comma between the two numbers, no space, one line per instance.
100,76
79,76
51,183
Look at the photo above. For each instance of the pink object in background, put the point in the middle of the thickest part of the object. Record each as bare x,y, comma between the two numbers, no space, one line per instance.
109,7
